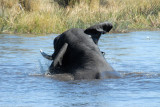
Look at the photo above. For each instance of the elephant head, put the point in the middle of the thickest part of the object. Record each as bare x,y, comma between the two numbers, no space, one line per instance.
77,53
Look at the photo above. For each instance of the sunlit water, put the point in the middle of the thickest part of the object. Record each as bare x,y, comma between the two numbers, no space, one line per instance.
135,55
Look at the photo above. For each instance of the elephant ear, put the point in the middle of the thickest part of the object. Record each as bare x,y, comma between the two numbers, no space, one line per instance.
96,30
59,57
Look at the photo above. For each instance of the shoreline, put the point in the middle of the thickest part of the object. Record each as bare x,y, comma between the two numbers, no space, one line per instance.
44,34
46,18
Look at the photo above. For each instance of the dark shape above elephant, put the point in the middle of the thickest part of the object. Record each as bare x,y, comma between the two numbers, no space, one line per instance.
76,52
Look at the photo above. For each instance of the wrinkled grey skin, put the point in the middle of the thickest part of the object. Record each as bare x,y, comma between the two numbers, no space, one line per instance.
77,54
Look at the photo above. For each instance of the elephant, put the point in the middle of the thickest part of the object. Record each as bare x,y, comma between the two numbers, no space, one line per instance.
76,52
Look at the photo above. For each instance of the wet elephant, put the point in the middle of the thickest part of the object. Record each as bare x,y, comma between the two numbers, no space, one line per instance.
76,52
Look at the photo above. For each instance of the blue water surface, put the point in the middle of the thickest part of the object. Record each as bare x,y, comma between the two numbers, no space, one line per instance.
135,55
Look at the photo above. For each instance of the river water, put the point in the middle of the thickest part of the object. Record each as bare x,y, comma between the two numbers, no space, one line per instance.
135,55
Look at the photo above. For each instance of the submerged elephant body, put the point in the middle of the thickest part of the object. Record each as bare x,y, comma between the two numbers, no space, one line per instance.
77,53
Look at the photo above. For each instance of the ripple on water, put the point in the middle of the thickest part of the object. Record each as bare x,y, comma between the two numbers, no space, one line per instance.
23,81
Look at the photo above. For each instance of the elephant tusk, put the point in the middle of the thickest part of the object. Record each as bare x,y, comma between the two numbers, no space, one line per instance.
58,59
49,57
